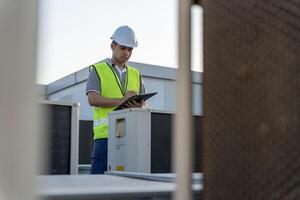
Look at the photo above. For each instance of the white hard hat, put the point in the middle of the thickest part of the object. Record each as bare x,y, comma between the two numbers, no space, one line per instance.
125,36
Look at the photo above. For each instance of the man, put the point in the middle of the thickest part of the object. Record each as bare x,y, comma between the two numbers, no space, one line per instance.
111,82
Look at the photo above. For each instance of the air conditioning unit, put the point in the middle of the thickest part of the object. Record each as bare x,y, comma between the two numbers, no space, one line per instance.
140,141
60,137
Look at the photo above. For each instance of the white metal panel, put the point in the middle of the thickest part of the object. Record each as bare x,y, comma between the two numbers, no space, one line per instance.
131,152
197,99
170,95
74,160
155,85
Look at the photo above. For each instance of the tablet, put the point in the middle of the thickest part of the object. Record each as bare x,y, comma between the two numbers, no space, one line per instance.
137,98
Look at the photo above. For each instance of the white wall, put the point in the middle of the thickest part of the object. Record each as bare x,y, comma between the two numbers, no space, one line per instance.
75,93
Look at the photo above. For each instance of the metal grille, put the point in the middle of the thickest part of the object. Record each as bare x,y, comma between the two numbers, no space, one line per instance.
86,141
252,99
161,128
161,137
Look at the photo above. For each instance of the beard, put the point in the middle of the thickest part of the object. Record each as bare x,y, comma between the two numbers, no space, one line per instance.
122,59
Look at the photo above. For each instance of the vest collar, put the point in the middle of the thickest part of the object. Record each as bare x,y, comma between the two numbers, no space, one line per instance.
108,60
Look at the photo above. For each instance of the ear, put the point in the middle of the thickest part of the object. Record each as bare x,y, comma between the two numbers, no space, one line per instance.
113,46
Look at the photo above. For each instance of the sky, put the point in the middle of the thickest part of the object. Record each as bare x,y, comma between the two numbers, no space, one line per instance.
73,34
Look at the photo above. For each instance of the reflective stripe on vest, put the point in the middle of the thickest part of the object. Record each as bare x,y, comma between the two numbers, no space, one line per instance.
111,88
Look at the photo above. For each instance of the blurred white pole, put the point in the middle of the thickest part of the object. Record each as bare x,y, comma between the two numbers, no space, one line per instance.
18,19
182,146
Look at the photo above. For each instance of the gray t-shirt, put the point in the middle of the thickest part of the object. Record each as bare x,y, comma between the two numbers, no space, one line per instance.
94,83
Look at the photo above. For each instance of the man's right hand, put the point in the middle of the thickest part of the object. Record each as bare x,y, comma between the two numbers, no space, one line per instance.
128,94
132,104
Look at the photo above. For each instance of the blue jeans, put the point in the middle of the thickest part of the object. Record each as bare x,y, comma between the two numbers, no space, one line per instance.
99,157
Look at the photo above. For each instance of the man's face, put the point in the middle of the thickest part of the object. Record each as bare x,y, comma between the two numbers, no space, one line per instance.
121,54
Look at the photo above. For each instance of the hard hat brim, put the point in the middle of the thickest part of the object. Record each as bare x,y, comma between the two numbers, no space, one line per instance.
125,44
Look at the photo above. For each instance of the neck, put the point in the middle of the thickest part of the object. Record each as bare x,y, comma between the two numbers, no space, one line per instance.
120,65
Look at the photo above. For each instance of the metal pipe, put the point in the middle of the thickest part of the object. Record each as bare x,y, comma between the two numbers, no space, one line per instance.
18,122
182,143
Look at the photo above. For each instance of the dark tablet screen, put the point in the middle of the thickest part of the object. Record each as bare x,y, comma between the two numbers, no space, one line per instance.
137,98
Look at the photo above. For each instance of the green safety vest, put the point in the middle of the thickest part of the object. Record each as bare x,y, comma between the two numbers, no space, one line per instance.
111,87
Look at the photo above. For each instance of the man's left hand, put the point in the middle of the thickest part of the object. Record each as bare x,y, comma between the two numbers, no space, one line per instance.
135,104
